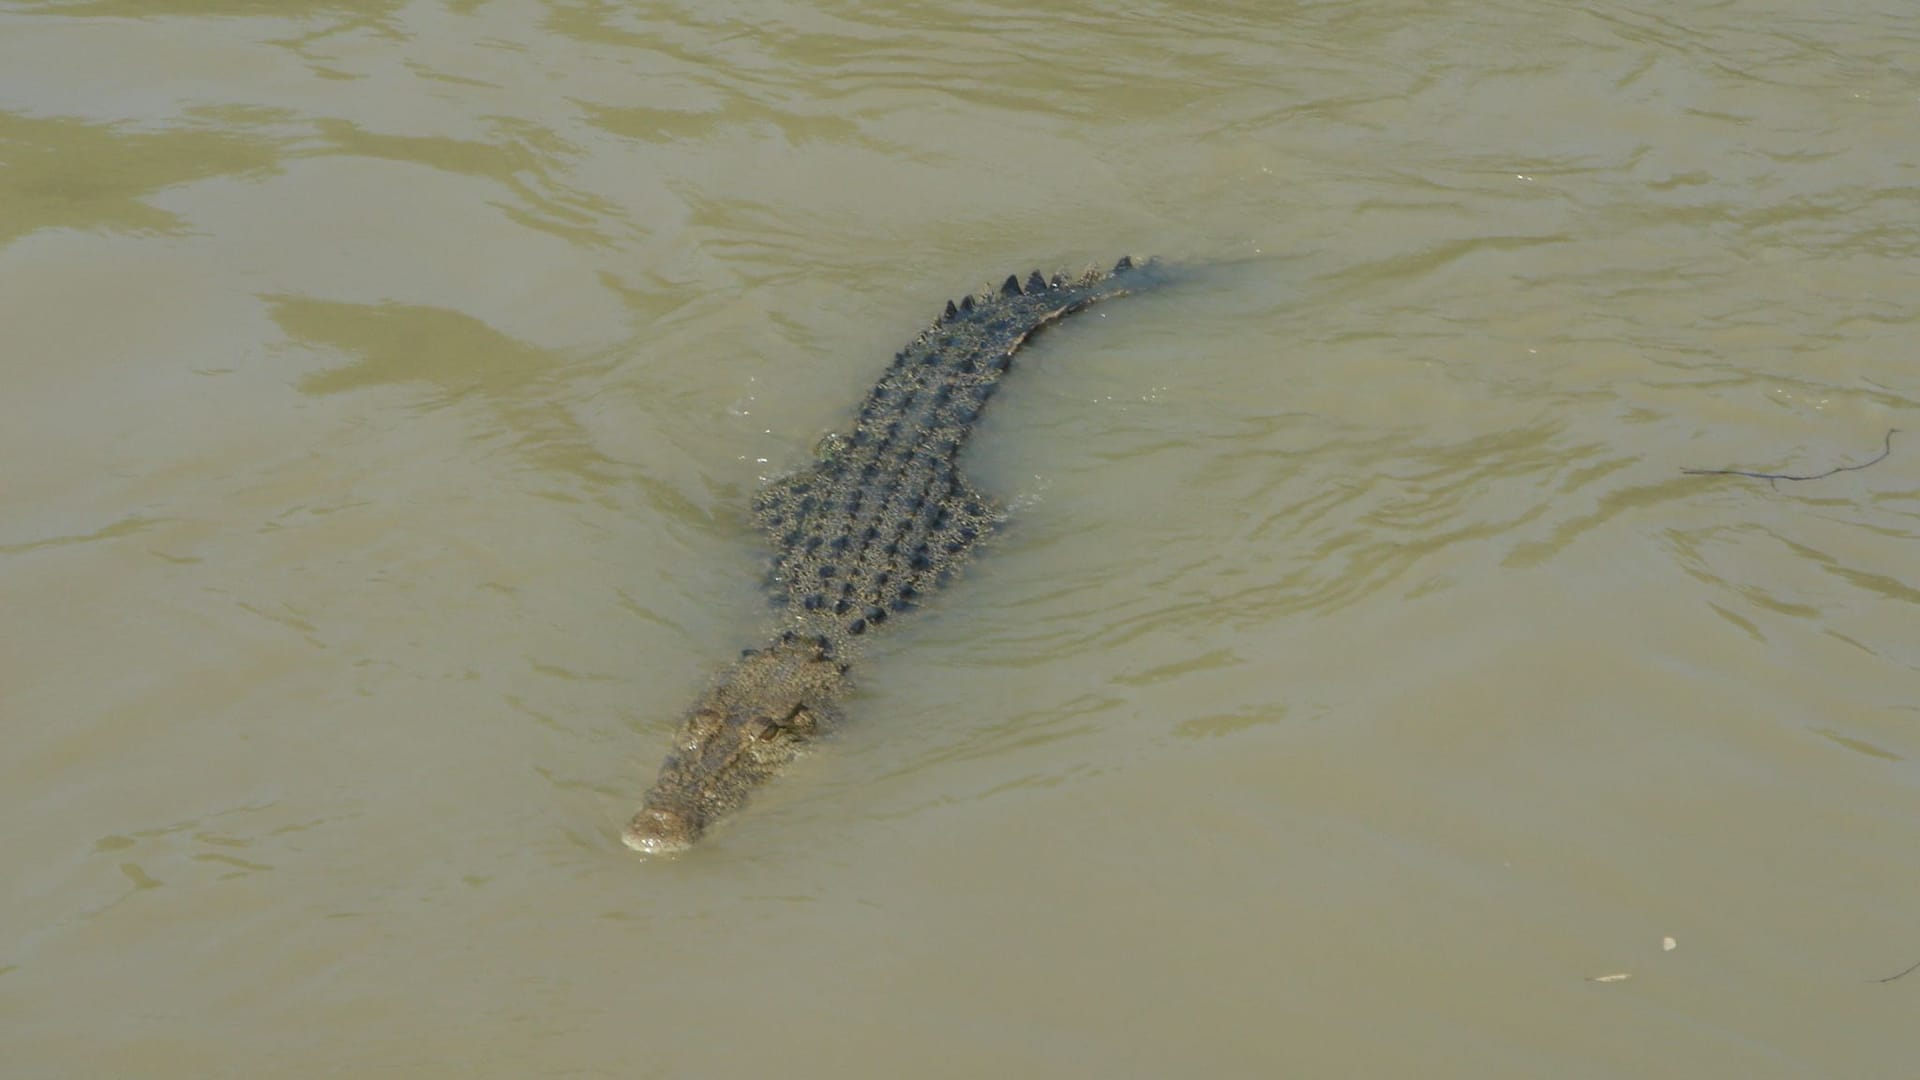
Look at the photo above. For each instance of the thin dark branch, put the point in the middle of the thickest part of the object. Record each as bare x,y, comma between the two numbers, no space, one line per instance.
1902,975
1885,450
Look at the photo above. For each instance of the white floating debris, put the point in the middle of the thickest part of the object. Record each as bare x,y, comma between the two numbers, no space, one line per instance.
1618,976
1667,944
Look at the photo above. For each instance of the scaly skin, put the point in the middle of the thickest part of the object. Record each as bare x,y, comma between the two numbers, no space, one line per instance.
881,520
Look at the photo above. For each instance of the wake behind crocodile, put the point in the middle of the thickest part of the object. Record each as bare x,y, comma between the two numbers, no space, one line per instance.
880,521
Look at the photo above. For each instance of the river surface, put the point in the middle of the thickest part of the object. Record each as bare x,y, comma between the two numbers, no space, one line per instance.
1359,688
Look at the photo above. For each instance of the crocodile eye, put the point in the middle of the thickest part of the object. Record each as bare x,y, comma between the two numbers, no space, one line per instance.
700,730
800,723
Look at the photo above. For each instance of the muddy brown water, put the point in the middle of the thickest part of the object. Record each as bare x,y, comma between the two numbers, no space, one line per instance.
1359,689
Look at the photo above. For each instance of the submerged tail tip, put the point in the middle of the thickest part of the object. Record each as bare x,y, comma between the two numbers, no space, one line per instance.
1150,266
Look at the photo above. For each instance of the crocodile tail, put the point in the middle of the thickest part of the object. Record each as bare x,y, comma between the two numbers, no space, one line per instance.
1093,285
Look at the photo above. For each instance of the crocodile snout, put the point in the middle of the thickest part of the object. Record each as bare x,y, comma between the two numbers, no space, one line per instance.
659,831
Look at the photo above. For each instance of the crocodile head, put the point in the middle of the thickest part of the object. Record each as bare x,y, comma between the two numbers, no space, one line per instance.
755,720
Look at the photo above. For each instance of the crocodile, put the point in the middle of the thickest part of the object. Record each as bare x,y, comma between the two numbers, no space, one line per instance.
882,519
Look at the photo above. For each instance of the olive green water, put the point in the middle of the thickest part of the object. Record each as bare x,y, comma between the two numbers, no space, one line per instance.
1359,688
